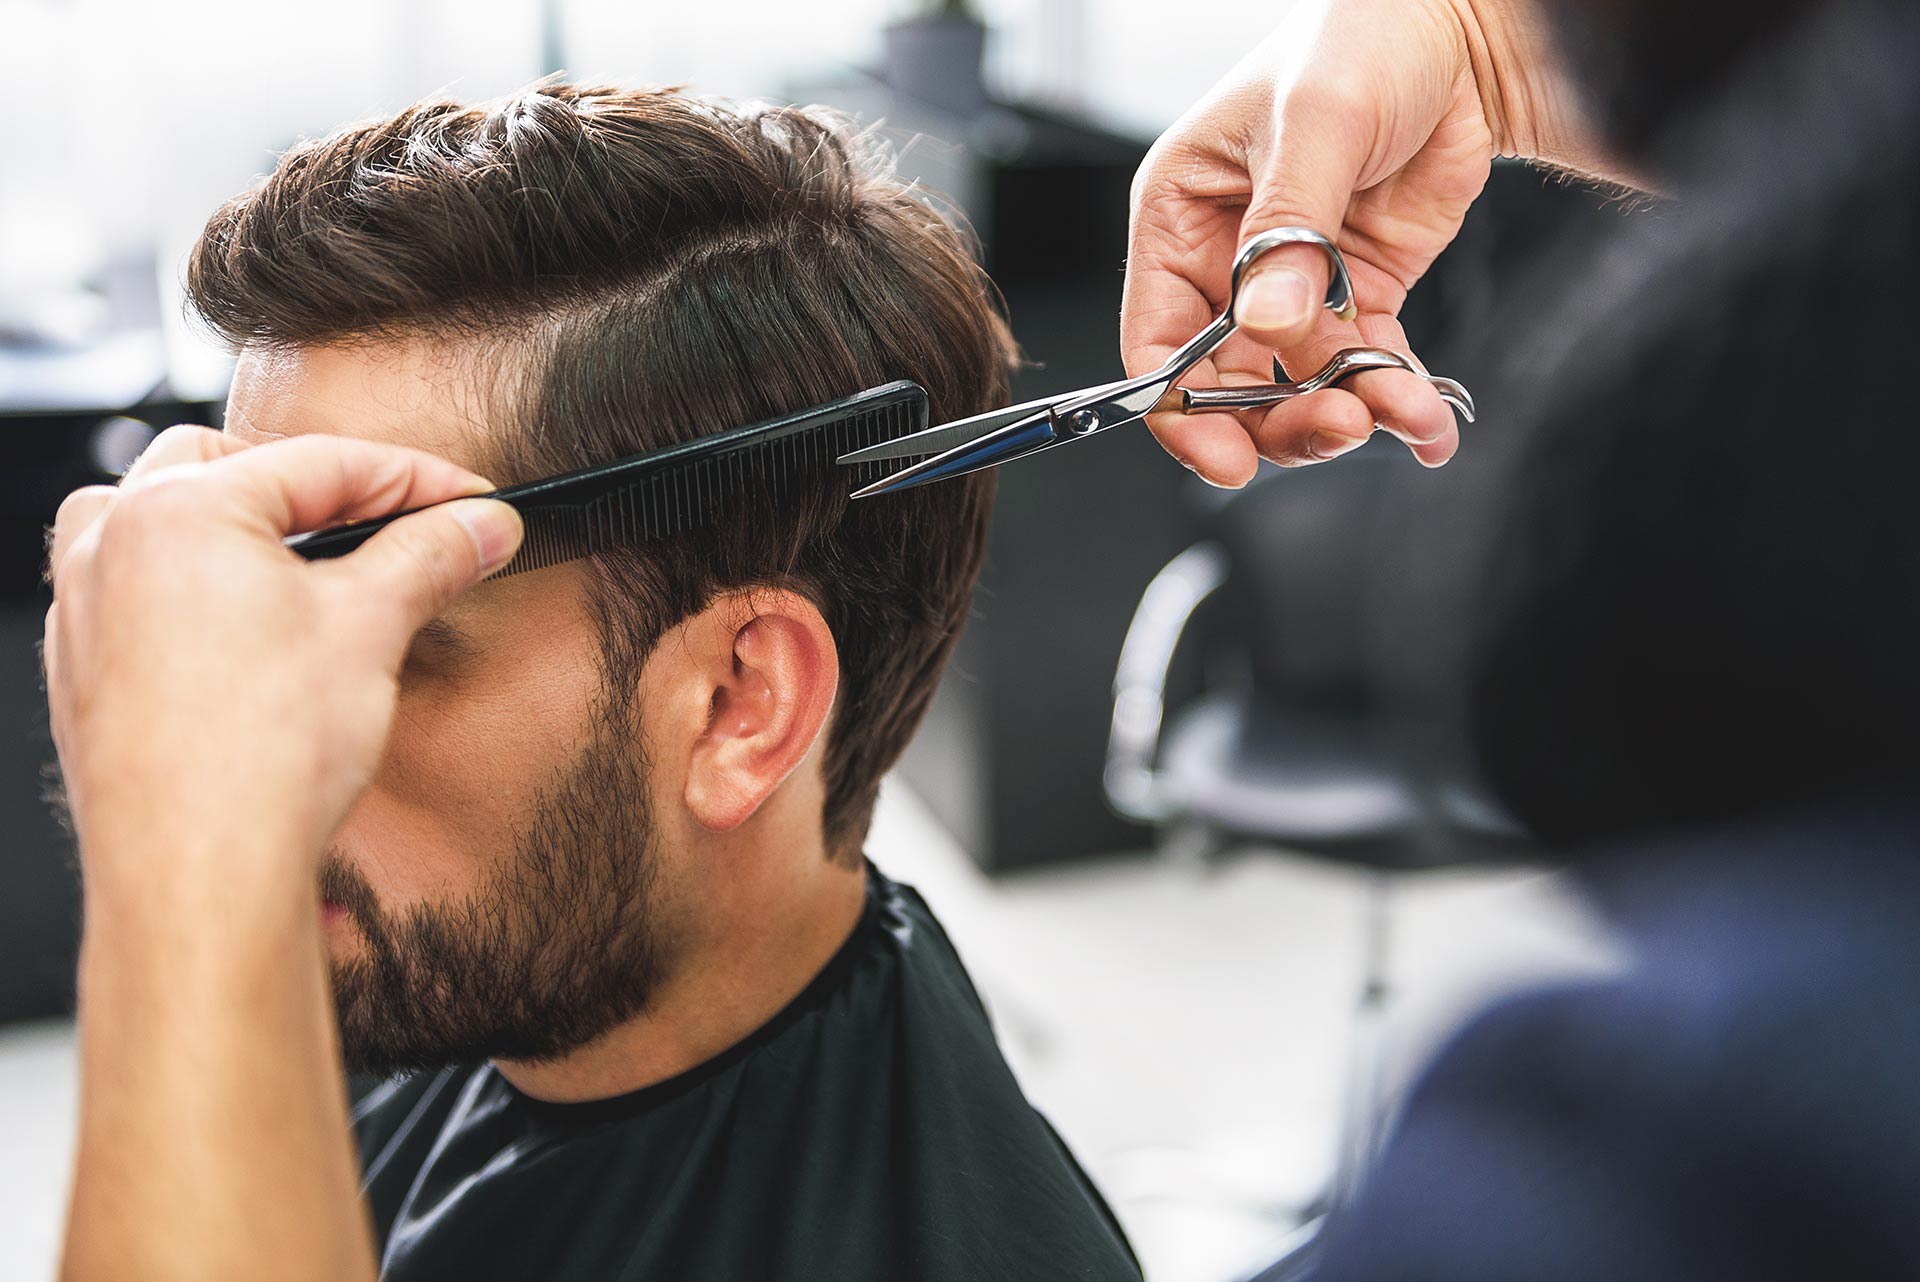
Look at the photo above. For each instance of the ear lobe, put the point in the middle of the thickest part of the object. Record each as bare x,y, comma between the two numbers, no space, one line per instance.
774,676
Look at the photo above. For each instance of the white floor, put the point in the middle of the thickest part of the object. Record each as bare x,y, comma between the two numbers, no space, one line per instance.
1185,1028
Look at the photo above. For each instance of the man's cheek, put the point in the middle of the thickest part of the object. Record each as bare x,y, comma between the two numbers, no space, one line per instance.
413,850
452,759
474,744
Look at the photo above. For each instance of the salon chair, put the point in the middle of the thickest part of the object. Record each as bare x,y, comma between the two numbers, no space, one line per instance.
1290,741
1250,709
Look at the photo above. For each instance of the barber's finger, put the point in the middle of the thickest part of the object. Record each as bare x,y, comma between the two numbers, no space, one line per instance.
308,482
1179,256
53,677
1322,425
1407,406
411,570
78,511
1308,181
1214,447
181,443
1402,403
1313,428
50,650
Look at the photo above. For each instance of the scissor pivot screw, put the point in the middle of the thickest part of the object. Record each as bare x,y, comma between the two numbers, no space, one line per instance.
1084,421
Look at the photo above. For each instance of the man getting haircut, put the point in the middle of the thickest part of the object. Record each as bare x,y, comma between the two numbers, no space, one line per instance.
603,915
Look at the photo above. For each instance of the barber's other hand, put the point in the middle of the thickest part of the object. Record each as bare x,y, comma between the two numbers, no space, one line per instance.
1373,122
215,698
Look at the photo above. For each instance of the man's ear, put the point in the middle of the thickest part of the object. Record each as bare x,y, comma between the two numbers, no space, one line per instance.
770,663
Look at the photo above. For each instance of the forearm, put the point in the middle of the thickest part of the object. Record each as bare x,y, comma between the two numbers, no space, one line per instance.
214,1133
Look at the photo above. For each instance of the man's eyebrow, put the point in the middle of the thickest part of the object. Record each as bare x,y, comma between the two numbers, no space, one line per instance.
441,633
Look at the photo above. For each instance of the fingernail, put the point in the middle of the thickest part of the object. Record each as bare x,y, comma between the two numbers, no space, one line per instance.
1429,437
494,527
1278,298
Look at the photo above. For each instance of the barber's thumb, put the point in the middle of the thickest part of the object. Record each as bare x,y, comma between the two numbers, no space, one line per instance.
423,561
1279,300
495,529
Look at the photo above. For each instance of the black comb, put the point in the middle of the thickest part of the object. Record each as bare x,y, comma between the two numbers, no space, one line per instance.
678,487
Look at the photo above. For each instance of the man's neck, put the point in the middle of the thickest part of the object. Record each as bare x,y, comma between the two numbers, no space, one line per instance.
752,951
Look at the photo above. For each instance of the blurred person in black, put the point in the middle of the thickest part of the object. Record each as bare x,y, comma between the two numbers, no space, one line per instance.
1679,632
1690,605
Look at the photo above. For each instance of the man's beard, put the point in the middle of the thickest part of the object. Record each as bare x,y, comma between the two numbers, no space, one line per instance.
556,948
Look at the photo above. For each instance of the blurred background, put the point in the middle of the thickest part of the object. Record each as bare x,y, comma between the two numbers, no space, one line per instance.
1220,907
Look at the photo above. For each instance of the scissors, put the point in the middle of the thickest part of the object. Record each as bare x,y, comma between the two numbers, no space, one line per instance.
1000,436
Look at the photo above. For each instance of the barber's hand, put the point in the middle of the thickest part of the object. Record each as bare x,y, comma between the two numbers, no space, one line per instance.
213,694
1373,122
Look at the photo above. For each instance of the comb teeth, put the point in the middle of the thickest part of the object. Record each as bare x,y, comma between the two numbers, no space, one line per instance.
759,470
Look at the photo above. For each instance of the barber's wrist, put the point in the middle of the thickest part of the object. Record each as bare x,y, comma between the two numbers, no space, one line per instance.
142,960
157,909
1531,103
178,866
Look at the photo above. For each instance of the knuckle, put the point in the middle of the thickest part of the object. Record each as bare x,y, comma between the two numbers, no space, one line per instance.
1156,168
316,446
60,574
1149,180
185,439
73,567
81,502
157,496
143,516
1334,97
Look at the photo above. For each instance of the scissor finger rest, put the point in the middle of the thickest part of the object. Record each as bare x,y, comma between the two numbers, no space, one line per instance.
1347,362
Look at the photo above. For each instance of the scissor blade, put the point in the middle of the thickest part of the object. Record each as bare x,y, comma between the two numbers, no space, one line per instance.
1015,440
945,436
940,439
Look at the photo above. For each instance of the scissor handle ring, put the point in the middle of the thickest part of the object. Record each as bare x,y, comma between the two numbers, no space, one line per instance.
1339,299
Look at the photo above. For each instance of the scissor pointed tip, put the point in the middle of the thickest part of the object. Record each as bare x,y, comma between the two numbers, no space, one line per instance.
902,480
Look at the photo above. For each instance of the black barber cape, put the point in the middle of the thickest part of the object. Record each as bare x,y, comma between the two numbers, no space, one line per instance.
871,1130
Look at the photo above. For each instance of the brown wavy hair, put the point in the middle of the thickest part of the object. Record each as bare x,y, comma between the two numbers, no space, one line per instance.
645,266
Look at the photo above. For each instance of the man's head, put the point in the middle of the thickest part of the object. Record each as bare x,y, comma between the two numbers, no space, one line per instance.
597,767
